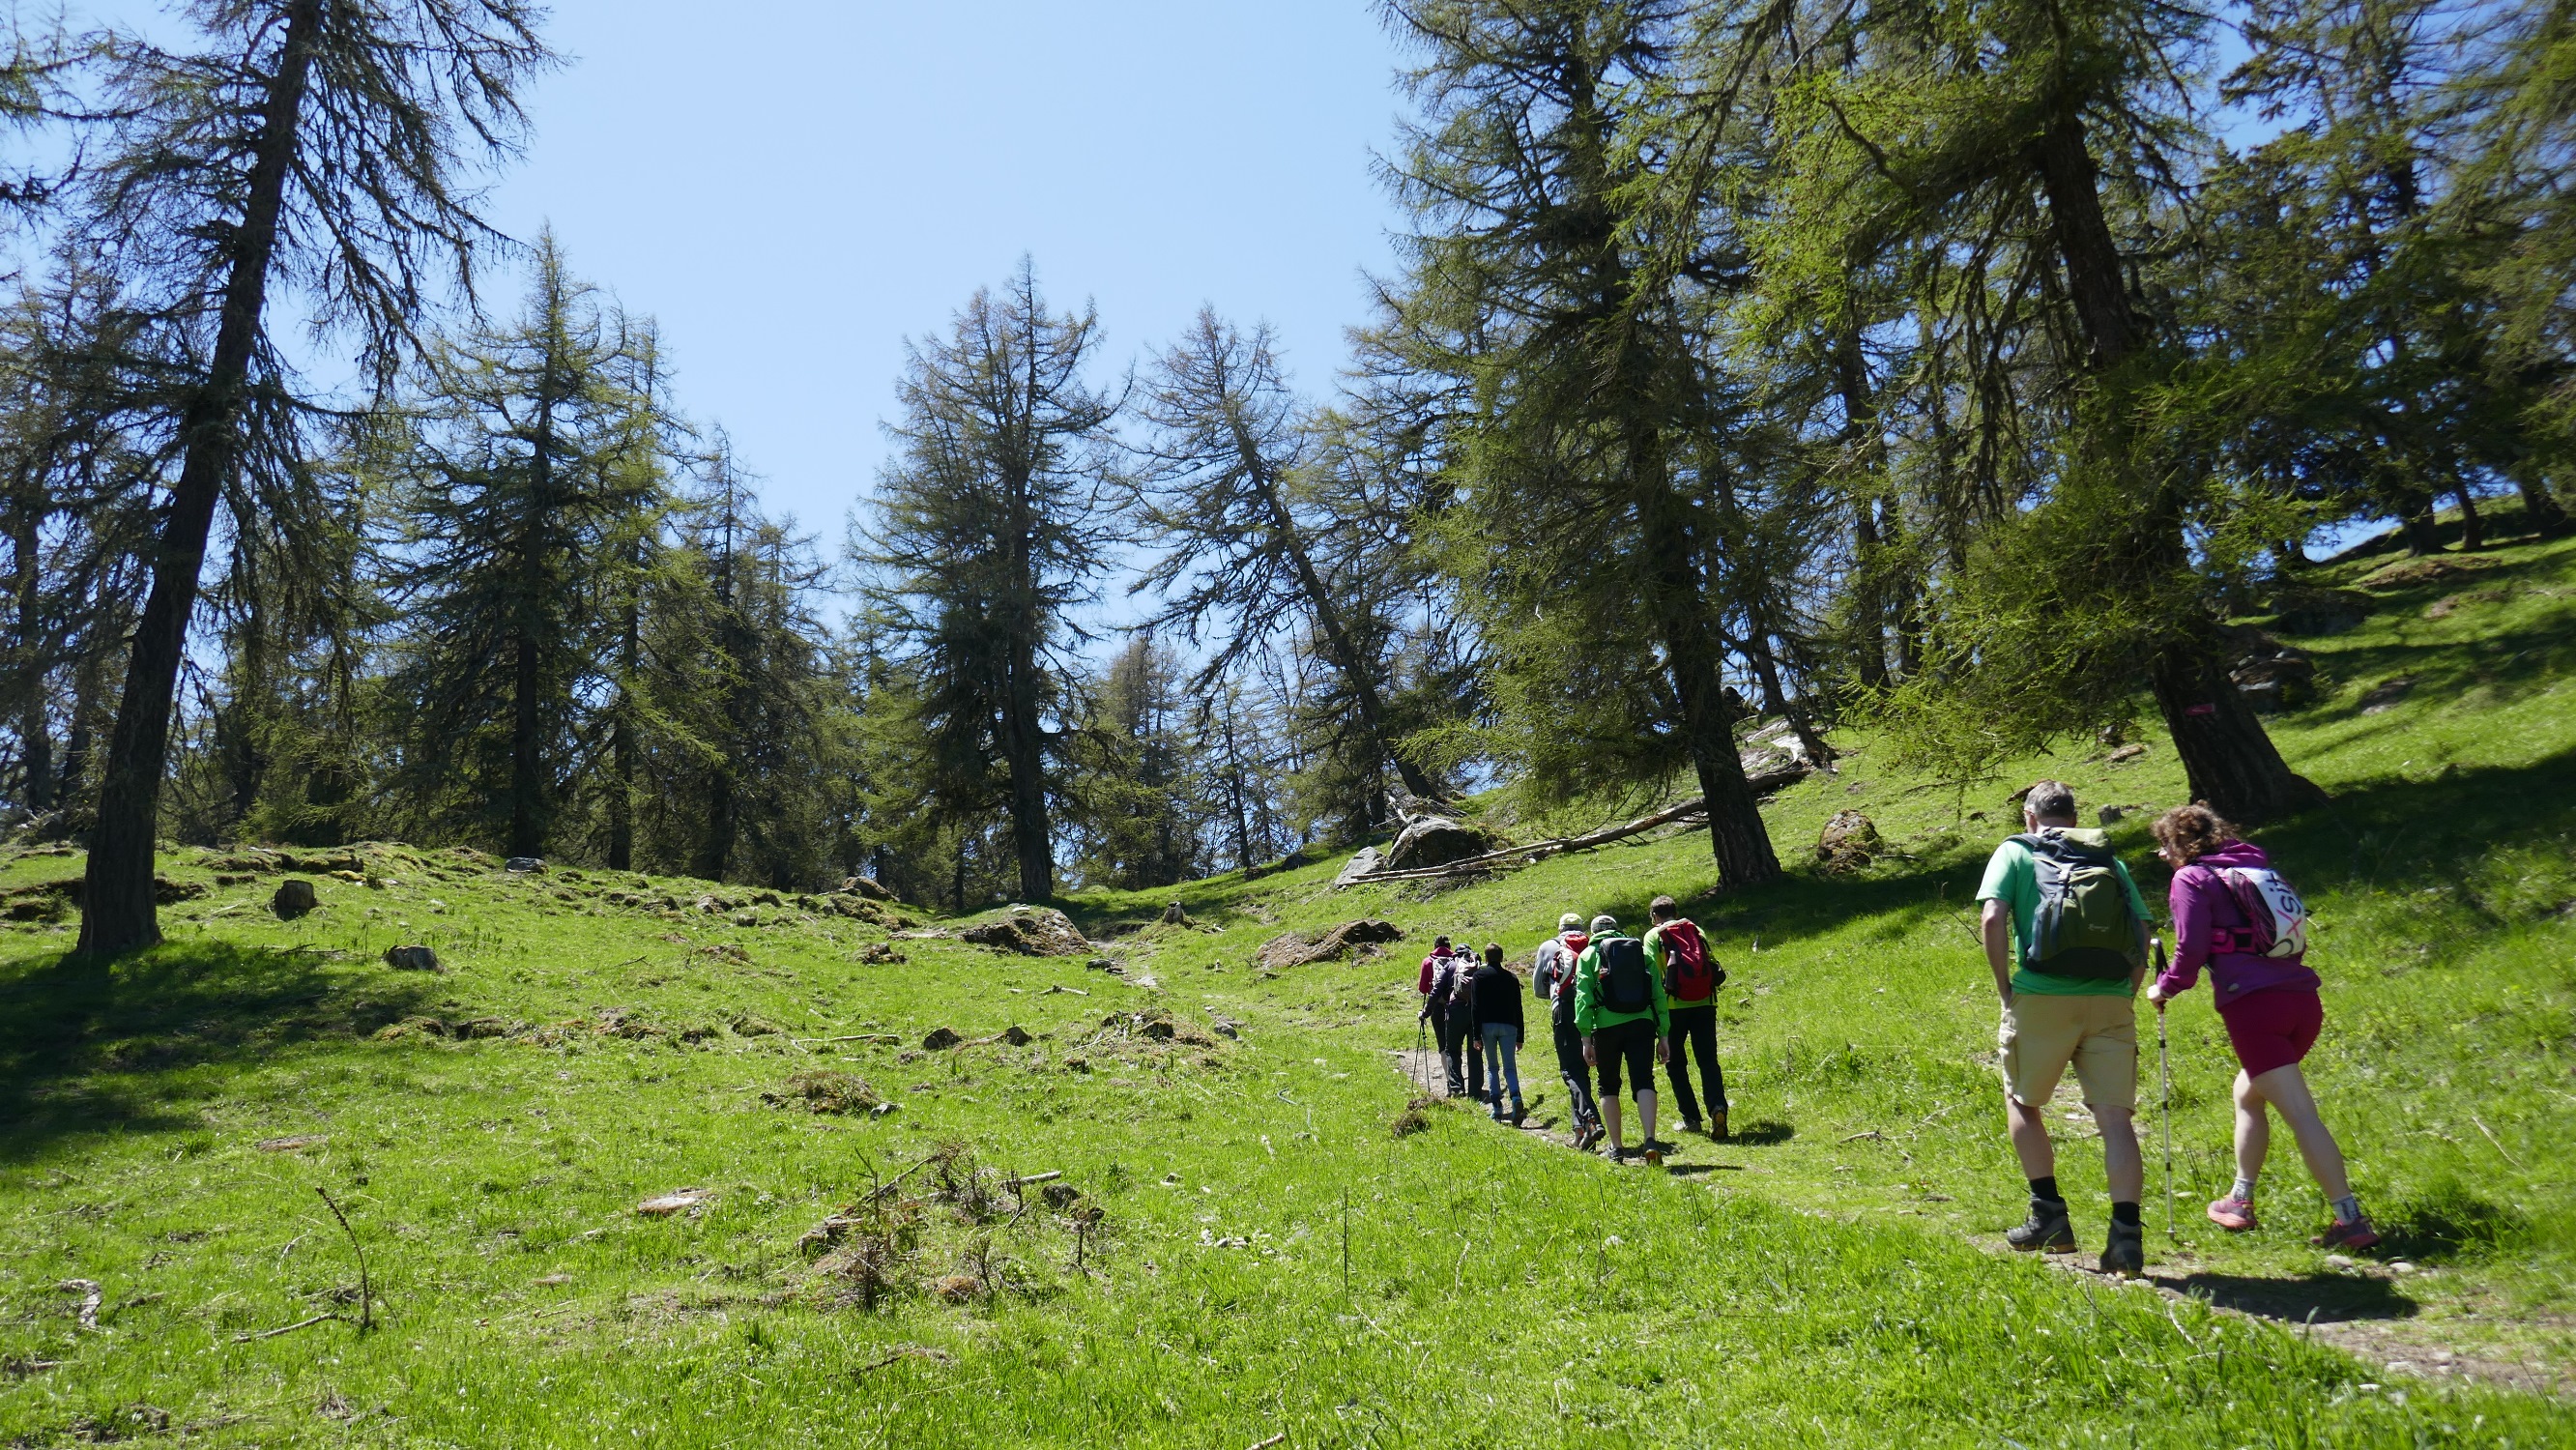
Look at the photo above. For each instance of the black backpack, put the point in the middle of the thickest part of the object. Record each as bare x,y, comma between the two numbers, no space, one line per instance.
1626,984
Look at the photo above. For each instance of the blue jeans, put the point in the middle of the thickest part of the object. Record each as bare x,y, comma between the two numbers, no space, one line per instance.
1502,1064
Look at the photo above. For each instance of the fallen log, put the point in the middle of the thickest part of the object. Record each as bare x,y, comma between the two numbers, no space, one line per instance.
1762,784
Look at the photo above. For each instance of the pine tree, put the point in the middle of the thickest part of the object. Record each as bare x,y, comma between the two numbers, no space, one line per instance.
517,476
1576,524
1222,495
314,141
1967,147
989,528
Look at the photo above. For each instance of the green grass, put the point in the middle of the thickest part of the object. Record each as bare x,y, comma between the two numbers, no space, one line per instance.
1815,1286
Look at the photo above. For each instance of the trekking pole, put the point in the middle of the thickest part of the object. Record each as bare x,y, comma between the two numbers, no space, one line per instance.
2164,1072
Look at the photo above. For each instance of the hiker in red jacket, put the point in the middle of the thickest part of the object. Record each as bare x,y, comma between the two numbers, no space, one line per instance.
2230,912
1676,947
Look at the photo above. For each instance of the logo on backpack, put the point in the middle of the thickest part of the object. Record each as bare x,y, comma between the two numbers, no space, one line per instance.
1626,984
2276,920
2083,927
1688,974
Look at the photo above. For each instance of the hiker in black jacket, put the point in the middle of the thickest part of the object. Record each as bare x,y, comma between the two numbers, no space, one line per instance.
1498,1022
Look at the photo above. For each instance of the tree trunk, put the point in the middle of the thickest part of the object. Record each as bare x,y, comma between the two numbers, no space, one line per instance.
1337,638
2540,508
2415,518
1802,723
117,911
2229,762
1024,749
27,651
2473,530
1737,837
621,742
1851,379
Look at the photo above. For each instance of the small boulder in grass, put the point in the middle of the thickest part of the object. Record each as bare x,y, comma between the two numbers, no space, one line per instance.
685,1200
294,897
940,1039
413,958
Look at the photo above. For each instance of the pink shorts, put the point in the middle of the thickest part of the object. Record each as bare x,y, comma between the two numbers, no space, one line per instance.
2273,1028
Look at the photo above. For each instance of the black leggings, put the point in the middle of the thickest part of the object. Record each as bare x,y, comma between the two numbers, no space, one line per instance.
1694,1029
1578,1082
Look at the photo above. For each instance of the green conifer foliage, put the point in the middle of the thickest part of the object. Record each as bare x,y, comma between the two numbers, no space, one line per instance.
991,524
515,478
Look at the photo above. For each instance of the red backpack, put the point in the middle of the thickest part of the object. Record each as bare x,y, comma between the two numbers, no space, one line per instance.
1688,975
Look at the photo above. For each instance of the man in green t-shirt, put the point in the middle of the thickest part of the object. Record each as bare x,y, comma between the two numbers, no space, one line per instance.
2081,1016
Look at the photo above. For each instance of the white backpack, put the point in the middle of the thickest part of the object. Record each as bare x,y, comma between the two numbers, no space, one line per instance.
2276,920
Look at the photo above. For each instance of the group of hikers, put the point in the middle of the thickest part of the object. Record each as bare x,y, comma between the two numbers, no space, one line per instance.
1617,1006
2070,942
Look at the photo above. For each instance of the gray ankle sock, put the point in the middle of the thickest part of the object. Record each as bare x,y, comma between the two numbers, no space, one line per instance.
2244,1190
2347,1208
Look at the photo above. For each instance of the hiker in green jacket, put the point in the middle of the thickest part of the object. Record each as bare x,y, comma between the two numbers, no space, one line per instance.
1619,1009
2081,927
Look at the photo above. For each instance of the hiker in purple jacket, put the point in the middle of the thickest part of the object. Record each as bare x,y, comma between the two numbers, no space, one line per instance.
2268,1001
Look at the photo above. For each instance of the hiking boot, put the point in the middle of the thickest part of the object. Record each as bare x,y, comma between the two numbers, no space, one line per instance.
2354,1233
1618,1157
1690,1127
1520,1115
2126,1253
2233,1214
1654,1157
1717,1126
2046,1229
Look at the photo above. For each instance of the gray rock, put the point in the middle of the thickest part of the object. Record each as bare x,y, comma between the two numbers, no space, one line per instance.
1032,932
414,958
1435,841
295,896
1848,842
1365,863
867,886
524,866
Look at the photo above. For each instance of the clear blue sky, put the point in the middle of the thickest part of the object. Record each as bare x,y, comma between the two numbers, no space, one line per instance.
794,186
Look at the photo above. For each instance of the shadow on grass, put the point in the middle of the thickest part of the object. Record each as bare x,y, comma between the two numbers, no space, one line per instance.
85,1050
2311,1298
2388,834
1764,1134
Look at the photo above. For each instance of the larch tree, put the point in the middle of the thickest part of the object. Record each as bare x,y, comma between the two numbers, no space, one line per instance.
991,524
319,148
1577,522
2029,148
517,479
1241,555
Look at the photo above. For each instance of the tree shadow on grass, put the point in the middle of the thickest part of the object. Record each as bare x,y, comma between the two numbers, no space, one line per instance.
84,1050
2310,1298
2388,834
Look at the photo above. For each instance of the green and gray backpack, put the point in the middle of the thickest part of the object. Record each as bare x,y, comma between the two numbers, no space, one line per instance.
2084,928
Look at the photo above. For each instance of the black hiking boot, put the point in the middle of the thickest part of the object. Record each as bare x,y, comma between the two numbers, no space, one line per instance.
2046,1229
2126,1254
1717,1126
1690,1127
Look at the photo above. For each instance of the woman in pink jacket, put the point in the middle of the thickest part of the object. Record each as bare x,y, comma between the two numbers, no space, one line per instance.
2271,1009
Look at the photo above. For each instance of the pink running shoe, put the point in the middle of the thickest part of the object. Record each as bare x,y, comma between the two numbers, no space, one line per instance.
2355,1234
2233,1214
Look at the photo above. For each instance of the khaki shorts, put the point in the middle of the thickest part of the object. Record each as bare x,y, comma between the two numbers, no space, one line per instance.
2099,1035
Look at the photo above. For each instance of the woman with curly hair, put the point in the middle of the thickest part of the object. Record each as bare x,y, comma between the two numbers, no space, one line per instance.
2271,1009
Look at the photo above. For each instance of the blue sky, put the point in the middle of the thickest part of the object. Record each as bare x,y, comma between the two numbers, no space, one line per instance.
794,187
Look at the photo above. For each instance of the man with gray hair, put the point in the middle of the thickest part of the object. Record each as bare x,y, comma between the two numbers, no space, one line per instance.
2059,892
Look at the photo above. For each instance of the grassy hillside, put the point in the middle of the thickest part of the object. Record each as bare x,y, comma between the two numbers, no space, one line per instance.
1242,1242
